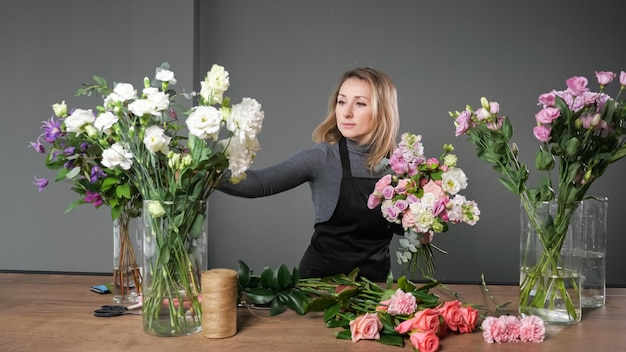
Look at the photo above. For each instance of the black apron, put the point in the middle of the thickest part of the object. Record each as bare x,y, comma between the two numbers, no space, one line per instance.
354,236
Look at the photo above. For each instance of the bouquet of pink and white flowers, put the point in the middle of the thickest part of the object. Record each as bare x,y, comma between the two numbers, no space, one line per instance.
422,194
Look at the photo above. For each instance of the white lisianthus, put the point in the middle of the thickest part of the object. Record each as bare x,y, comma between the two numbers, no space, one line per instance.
165,76
157,99
453,180
429,199
423,216
117,155
155,140
215,84
122,92
141,107
246,118
60,109
78,120
105,121
204,122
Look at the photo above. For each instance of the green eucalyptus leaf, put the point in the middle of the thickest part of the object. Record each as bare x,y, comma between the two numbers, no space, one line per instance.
73,173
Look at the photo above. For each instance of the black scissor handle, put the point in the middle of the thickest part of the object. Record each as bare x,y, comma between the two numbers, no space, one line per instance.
109,311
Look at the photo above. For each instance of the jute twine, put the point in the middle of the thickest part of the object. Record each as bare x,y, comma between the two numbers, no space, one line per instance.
219,303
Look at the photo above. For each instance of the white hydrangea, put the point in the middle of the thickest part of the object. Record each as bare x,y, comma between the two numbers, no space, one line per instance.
117,155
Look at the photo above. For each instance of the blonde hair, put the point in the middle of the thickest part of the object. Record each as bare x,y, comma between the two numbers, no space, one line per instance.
385,117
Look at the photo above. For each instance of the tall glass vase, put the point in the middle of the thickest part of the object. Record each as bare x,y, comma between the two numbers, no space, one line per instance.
126,257
557,256
174,242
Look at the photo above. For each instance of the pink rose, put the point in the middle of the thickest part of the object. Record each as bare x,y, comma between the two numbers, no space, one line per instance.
469,315
622,78
424,320
382,183
402,303
432,163
452,316
532,329
408,219
542,133
373,201
577,84
547,115
366,327
604,77
463,123
434,188
426,341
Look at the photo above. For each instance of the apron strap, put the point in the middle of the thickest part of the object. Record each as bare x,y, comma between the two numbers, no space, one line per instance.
345,160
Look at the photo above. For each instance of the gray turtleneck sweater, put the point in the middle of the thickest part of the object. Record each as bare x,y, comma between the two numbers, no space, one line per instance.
320,166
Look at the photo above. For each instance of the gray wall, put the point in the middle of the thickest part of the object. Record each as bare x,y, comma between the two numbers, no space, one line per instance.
289,55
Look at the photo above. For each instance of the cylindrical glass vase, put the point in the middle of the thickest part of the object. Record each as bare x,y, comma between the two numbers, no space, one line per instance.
126,259
174,242
562,259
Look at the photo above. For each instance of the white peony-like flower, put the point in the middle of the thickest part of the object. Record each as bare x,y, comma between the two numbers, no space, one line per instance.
141,107
121,93
240,154
204,122
105,121
215,84
423,215
78,120
156,140
117,155
246,118
157,99
453,180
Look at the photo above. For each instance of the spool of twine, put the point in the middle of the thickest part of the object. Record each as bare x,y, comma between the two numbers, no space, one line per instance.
219,303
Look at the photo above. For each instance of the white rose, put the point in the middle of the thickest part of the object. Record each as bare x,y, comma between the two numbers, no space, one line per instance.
77,121
155,208
204,122
105,121
165,76
156,140
117,155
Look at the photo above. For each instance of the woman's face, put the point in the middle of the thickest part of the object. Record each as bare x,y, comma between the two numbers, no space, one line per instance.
354,109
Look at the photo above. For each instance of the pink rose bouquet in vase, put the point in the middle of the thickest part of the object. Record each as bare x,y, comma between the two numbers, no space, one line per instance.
422,195
581,132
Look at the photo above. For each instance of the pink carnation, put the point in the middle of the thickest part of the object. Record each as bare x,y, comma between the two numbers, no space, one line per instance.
532,329
402,303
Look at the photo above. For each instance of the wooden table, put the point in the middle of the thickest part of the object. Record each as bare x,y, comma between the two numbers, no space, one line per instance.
50,312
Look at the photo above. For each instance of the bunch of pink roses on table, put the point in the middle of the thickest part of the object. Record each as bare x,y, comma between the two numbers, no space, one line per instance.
422,194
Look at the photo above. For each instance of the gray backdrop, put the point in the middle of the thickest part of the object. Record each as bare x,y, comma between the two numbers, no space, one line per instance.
288,55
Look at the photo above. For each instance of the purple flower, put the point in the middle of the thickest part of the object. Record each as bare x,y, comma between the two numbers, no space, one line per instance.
38,147
41,183
70,151
96,173
93,197
52,130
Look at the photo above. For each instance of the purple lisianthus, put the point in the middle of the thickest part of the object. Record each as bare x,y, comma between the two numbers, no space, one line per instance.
96,173
41,183
93,197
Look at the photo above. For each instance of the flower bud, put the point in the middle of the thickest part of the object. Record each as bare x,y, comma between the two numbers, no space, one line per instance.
60,110
595,120
514,149
146,82
485,103
155,208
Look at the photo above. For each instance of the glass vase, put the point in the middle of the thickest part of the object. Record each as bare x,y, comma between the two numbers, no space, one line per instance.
174,242
550,263
562,259
126,256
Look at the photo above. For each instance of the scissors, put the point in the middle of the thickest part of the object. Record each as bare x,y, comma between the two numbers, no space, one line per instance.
113,311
